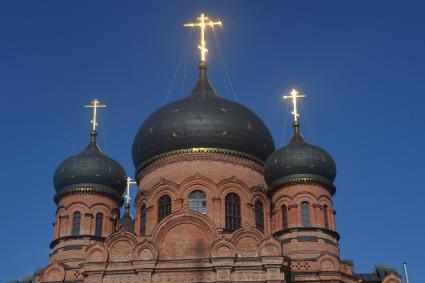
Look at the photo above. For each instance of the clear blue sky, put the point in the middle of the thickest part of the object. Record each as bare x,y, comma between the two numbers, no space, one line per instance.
360,63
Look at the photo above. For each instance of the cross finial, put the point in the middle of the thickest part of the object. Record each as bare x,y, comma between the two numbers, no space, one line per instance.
203,23
127,192
294,95
94,104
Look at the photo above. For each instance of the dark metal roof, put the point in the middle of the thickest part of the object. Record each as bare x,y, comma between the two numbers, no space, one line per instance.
203,119
379,272
91,166
127,221
299,160
368,278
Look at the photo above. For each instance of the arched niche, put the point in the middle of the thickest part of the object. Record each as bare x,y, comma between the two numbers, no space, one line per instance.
185,235
223,248
54,272
247,240
145,250
121,245
270,247
97,252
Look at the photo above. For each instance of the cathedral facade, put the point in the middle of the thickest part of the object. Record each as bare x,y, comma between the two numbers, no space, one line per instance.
216,203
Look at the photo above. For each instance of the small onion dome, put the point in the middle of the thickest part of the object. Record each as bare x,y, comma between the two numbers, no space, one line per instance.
299,161
90,171
202,120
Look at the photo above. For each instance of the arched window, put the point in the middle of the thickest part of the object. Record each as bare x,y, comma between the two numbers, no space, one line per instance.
143,221
76,219
164,207
325,215
198,201
305,214
284,217
233,211
259,216
99,224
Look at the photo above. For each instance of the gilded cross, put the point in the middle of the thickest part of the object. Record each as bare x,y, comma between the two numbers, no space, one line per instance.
127,192
203,23
94,104
294,95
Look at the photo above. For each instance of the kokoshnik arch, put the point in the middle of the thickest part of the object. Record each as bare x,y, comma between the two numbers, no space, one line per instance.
218,204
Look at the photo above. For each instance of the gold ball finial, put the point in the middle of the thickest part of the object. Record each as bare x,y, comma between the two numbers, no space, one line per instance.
203,66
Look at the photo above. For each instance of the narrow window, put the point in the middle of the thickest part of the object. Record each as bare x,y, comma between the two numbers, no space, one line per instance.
325,215
198,201
259,216
233,211
114,218
164,207
143,221
60,226
284,217
99,224
305,214
76,219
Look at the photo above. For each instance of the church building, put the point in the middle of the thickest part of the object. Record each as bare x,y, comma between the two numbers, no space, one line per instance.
216,202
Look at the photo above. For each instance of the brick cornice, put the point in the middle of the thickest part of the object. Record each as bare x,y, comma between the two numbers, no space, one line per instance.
96,189
288,182
202,154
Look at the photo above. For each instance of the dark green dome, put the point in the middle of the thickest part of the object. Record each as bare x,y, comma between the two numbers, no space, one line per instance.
204,120
299,160
91,169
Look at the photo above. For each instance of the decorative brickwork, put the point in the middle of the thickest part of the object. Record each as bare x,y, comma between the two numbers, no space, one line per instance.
187,246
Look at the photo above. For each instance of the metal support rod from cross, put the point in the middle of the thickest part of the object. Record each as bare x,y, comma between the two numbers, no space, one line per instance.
203,23
94,104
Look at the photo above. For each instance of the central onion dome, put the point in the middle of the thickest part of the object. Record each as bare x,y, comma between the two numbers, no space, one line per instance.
202,121
91,171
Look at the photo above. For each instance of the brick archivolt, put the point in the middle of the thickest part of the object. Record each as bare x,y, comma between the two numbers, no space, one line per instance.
97,252
216,174
243,242
328,262
88,206
223,247
146,250
53,272
292,196
197,181
185,217
215,192
121,246
225,256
